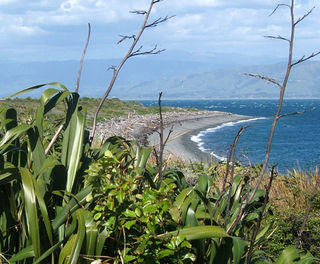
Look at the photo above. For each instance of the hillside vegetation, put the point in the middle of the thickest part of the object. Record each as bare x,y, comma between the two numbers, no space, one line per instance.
114,107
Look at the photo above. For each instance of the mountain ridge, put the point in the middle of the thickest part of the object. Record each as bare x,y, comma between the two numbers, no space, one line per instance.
183,79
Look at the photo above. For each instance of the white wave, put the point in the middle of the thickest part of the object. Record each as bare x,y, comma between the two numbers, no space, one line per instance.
228,124
198,138
218,157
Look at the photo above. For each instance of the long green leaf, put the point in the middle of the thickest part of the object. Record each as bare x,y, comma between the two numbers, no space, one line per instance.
238,249
43,210
8,175
38,153
31,210
197,232
77,245
66,251
142,155
57,84
25,253
71,251
12,135
73,205
73,145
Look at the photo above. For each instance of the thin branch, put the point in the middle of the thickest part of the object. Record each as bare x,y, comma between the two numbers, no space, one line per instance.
296,113
304,16
138,12
161,134
124,37
234,148
159,21
304,58
153,51
113,67
82,58
280,102
277,7
265,78
117,69
5,259
54,139
257,227
225,178
278,37
169,134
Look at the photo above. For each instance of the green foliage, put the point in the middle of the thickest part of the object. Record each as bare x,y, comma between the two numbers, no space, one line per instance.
112,108
133,213
288,226
40,191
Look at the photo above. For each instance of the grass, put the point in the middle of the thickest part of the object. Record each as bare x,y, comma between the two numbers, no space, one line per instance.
112,108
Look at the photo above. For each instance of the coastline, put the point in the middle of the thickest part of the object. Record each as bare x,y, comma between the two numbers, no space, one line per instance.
184,124
180,144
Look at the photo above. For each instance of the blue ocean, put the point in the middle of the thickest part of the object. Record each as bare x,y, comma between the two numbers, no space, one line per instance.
296,142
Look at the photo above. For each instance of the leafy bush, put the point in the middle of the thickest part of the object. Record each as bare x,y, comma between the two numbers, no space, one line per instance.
132,213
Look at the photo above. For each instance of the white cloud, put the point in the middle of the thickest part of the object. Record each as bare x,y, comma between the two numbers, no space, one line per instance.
199,24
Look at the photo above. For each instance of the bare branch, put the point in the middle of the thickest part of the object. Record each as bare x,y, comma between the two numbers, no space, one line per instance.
129,54
233,150
159,21
169,134
304,58
278,37
280,102
54,139
82,58
139,12
265,78
304,16
124,37
296,113
114,68
161,140
277,7
153,51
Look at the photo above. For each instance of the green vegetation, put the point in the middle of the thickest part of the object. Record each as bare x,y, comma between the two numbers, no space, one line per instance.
112,108
68,202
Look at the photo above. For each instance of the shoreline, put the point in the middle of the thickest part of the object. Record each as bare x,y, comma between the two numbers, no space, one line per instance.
185,124
180,144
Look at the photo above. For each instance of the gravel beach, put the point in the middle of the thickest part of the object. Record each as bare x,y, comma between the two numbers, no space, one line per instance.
184,124
180,144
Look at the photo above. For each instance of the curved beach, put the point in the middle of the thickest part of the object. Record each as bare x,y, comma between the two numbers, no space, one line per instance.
180,144
184,124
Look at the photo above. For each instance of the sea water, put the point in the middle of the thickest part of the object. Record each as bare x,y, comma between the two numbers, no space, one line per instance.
296,143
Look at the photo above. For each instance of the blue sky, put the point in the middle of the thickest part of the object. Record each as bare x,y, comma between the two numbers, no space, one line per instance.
41,30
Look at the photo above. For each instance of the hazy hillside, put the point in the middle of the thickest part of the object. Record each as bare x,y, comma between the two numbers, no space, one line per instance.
233,83
218,76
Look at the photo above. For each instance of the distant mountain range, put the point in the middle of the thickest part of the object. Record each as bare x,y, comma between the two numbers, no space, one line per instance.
217,76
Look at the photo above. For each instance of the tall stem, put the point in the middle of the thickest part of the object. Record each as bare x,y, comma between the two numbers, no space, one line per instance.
280,102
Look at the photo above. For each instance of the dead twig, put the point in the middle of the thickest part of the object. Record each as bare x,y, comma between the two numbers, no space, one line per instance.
82,58
282,87
129,54
54,139
278,37
162,141
265,78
